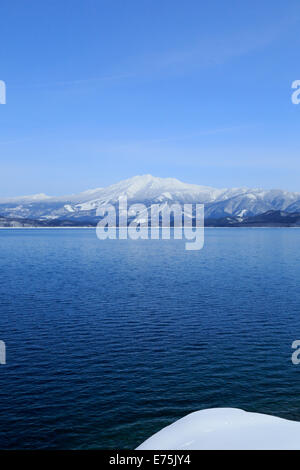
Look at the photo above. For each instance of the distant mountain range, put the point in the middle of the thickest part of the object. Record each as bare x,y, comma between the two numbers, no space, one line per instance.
227,207
268,219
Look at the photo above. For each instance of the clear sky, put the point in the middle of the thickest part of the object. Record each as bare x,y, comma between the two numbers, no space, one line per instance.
102,90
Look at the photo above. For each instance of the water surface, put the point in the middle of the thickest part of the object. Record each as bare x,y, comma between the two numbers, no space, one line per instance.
109,341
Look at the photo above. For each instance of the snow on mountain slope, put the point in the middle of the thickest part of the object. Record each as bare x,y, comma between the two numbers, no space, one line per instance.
226,429
148,190
253,202
25,199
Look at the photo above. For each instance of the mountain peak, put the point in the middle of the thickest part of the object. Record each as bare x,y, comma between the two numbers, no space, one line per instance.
146,187
150,179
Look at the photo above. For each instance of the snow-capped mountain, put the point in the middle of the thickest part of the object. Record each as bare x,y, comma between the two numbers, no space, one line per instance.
148,190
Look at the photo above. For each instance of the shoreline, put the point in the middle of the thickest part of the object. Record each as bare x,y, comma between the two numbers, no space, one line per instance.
117,228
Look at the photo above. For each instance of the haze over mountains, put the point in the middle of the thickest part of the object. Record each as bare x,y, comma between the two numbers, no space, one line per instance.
219,203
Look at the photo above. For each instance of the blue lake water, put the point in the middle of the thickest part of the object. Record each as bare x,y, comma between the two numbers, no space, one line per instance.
109,341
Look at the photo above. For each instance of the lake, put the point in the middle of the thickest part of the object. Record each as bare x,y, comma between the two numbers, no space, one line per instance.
109,341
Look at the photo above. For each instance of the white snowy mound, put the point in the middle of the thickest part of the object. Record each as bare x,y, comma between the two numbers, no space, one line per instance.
226,429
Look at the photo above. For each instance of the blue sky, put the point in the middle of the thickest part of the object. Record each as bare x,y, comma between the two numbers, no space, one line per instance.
101,90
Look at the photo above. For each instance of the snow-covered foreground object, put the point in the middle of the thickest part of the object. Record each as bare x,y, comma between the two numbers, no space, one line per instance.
226,429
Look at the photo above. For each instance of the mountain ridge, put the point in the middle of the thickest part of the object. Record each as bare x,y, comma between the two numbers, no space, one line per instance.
147,189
